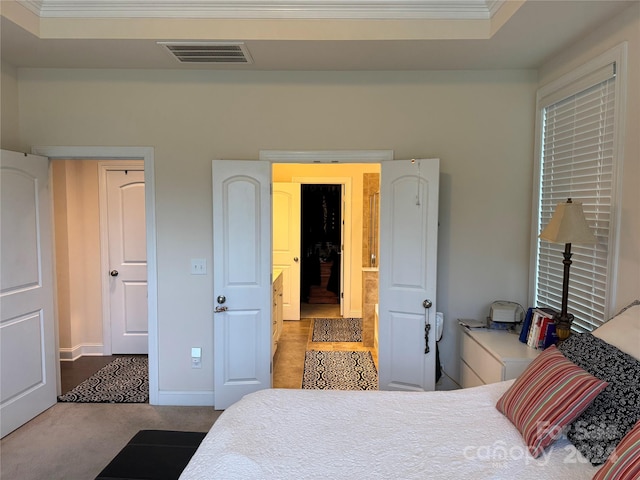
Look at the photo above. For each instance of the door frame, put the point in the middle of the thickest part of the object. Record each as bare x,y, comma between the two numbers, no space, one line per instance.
128,153
346,251
331,157
103,167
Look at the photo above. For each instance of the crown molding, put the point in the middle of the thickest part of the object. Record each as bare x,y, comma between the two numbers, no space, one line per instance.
34,6
267,9
326,156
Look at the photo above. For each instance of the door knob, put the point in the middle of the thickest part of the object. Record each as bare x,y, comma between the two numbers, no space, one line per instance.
113,273
221,299
427,303
295,259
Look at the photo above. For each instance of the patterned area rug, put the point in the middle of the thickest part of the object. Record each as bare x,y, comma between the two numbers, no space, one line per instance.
125,380
335,370
337,330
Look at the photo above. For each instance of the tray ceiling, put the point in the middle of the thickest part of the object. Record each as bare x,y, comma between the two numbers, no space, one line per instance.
298,34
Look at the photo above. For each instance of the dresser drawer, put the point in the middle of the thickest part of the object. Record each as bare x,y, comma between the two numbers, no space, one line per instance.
485,366
468,377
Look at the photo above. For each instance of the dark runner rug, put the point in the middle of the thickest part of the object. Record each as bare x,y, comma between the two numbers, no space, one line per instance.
336,370
125,380
337,330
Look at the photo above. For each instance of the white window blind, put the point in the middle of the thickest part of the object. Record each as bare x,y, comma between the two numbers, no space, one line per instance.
577,162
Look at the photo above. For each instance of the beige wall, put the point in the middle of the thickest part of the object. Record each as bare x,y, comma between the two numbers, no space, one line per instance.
59,188
9,130
77,241
480,124
625,27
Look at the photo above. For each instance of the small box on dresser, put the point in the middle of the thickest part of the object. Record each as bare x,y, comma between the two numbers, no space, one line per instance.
490,356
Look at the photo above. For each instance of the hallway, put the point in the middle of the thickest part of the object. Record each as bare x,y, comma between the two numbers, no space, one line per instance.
288,362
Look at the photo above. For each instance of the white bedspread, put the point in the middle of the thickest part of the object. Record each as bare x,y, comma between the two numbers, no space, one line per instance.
307,434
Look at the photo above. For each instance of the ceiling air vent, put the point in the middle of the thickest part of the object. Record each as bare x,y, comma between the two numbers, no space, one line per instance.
209,52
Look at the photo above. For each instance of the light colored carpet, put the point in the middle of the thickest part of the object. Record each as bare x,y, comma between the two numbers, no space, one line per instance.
75,441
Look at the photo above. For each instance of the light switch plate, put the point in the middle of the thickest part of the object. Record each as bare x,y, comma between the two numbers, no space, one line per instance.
198,266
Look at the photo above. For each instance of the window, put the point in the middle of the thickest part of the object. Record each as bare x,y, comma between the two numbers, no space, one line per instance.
580,120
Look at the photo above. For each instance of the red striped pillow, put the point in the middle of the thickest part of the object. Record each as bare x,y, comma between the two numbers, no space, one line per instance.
547,397
624,461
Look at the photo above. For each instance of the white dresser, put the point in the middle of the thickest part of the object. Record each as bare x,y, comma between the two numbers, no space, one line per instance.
490,356
276,314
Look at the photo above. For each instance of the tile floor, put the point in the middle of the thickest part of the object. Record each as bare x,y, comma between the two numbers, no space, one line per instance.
288,362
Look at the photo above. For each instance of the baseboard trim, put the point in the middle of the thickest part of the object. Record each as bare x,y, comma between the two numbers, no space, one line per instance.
185,398
87,349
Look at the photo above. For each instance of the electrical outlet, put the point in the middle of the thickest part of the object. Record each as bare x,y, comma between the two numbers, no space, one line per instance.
196,357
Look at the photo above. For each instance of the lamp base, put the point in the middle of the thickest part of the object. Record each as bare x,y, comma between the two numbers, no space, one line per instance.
563,325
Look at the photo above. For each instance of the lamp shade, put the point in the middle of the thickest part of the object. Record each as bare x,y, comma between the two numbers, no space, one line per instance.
568,225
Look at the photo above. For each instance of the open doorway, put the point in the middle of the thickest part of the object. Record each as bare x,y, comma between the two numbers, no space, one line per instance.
321,246
408,253
334,237
351,177
146,154
97,202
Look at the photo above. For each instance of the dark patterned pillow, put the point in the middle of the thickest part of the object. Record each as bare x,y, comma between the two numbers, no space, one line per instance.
615,411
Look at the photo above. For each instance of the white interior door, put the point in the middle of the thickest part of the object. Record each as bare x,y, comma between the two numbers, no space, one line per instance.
408,254
27,330
286,245
127,262
241,278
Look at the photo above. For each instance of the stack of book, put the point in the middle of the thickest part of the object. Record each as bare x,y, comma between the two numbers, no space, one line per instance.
538,330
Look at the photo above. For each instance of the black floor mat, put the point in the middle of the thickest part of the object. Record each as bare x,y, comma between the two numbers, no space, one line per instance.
153,455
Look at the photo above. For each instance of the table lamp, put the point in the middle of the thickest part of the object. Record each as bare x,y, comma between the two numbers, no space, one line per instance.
567,225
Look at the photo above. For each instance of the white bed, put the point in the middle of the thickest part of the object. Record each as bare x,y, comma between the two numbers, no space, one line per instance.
295,434
308,434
